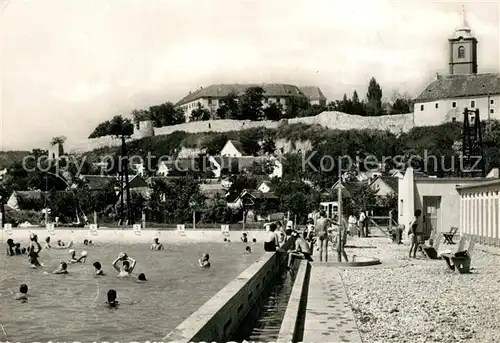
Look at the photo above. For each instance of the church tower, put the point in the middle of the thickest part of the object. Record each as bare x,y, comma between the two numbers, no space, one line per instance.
463,50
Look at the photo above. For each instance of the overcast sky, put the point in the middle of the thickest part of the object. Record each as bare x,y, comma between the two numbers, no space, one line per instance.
67,65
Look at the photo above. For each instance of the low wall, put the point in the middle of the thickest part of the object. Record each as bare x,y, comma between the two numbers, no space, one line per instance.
295,310
129,236
219,317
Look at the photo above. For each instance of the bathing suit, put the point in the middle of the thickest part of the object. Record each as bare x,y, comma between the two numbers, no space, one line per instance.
269,246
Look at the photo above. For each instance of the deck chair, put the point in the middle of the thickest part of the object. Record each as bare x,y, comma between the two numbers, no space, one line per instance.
462,261
448,236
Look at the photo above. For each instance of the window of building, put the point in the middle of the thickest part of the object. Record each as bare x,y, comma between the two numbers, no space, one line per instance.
266,100
461,52
453,120
437,105
421,107
278,100
453,104
492,110
492,101
472,104
209,101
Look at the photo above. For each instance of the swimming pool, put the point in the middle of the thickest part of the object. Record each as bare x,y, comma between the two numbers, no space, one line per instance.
72,307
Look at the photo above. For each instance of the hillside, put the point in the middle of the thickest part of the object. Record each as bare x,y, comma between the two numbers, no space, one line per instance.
7,158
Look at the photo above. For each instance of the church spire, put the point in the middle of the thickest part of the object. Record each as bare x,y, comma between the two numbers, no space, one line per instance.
464,29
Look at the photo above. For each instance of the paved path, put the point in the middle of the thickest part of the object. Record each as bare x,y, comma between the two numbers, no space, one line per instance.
329,316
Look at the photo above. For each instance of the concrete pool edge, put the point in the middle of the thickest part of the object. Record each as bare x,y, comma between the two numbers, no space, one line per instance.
291,321
217,319
129,236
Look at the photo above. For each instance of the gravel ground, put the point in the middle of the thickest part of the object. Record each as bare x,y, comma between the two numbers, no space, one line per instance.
423,301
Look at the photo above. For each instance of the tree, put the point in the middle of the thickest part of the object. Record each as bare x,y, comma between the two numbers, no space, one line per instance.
401,103
264,167
58,140
250,104
297,197
200,113
362,198
268,146
138,116
166,114
215,143
228,107
296,106
374,98
358,107
117,126
273,112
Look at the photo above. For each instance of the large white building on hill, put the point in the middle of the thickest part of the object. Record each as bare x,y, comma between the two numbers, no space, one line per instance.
445,99
211,97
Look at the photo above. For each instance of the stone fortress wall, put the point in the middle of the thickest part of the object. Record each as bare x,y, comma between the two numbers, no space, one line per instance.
329,119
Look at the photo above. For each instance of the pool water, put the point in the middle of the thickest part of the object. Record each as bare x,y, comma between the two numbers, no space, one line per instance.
72,307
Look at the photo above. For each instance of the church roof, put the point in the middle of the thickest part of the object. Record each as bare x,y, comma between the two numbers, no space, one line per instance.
222,90
457,86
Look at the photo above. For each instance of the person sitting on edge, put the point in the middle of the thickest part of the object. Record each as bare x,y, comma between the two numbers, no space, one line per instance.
47,243
248,250
204,261
112,302
156,245
301,251
128,265
142,277
61,269
11,247
98,268
273,240
244,237
23,292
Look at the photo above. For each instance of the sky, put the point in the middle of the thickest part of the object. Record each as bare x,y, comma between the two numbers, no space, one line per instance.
67,65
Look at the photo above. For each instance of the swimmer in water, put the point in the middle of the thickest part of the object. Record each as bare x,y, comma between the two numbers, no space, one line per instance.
248,250
128,265
204,261
156,245
61,269
11,247
83,257
23,293
142,277
61,245
254,240
34,250
98,268
87,242
112,302
47,243
72,256
244,237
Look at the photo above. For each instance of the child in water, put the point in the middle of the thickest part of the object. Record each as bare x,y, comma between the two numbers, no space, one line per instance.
142,277
244,237
98,268
204,261
23,292
87,242
128,265
156,245
248,250
61,269
112,302
34,249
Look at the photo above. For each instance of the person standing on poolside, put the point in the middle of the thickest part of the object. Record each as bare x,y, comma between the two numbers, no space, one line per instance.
412,232
272,240
321,229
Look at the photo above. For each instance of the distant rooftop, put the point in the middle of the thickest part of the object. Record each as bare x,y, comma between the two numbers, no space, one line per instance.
313,93
222,90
